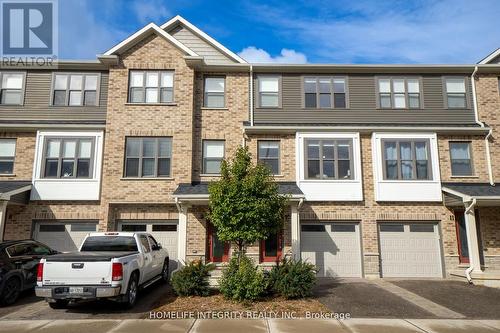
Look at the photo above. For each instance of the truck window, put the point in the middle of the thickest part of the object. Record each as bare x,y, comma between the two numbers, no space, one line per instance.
109,243
144,244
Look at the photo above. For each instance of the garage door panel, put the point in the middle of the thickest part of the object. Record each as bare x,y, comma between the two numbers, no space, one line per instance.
333,247
63,236
414,251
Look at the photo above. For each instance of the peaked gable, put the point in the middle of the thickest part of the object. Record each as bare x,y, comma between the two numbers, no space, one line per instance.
492,58
201,43
143,33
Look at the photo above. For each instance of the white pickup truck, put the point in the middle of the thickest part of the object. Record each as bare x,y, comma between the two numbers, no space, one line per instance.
111,265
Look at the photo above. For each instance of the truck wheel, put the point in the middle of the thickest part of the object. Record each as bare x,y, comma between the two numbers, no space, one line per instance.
132,290
11,291
59,304
165,272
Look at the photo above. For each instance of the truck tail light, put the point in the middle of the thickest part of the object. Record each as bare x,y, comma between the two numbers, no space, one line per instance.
39,272
117,272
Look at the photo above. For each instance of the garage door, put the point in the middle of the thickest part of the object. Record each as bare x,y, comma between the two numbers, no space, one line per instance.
410,250
63,236
333,247
164,231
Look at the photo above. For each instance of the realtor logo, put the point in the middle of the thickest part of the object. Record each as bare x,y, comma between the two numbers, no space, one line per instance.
29,27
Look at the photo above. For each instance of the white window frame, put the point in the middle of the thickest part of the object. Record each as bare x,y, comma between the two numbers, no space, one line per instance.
9,158
206,93
22,90
211,158
144,86
465,93
260,92
68,90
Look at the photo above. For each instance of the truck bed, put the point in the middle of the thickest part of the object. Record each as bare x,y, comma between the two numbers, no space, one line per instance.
89,256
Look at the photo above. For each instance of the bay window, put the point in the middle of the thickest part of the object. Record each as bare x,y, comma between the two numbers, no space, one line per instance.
68,158
328,159
406,160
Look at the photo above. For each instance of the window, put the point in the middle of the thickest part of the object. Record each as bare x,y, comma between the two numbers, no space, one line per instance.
144,244
75,89
148,157
151,87
269,87
426,227
11,92
455,93
154,243
68,158
7,156
399,93
328,159
213,154
134,227
269,154
461,161
392,228
406,160
312,228
164,227
214,92
324,92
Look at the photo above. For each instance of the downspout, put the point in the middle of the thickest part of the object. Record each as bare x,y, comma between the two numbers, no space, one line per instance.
480,123
251,95
179,208
471,268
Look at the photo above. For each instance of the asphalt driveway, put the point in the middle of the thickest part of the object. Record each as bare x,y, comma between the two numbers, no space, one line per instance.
35,308
476,302
363,299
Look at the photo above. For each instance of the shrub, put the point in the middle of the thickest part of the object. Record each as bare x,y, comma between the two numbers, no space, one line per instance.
242,280
192,279
292,279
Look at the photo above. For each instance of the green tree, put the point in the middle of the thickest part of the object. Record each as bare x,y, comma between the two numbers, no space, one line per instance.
245,205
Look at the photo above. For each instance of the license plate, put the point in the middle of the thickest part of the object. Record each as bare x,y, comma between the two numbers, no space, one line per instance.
76,290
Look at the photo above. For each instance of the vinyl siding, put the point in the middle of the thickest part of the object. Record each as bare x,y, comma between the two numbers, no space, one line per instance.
37,106
198,45
362,105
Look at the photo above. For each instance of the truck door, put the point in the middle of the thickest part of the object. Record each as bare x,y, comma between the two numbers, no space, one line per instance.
147,269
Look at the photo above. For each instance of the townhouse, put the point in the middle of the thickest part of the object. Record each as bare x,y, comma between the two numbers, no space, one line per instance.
390,169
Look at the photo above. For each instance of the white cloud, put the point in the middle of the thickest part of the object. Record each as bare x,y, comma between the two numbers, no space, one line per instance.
447,31
150,10
286,56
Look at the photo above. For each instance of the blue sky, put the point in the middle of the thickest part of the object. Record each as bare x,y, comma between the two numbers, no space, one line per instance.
319,31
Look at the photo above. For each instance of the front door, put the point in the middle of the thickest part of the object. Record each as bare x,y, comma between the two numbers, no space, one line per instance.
218,251
463,246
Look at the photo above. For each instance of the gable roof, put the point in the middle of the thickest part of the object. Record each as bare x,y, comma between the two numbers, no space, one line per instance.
490,57
145,31
180,20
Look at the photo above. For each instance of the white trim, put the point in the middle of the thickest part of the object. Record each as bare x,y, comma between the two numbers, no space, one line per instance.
207,38
490,57
7,195
134,38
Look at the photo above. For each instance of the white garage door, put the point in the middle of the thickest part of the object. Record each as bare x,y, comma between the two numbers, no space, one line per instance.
164,231
333,247
410,250
63,236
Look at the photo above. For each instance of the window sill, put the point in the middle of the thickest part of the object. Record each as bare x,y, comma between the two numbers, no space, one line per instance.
205,108
150,104
7,175
469,177
278,176
210,175
148,178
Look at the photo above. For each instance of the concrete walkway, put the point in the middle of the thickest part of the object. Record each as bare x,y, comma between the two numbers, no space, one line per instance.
424,303
253,325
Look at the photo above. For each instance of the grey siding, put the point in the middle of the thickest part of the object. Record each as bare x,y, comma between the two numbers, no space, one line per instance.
198,45
362,105
37,103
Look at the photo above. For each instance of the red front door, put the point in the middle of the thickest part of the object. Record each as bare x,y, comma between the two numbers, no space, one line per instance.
271,248
218,251
463,247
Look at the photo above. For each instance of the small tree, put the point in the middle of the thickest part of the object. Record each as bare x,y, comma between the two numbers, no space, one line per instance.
245,205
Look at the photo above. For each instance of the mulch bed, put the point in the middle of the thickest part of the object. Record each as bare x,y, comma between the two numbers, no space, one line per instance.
216,302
